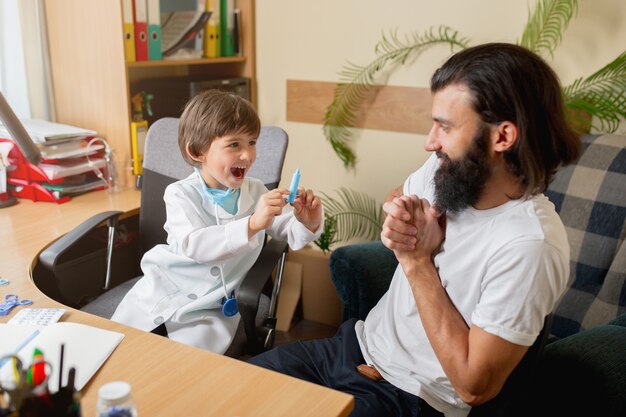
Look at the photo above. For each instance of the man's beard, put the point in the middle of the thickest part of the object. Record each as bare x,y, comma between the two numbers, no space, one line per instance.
459,183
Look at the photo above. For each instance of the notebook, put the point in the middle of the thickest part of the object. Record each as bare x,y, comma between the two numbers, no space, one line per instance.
86,348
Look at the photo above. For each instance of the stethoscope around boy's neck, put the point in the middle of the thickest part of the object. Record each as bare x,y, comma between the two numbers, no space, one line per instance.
221,198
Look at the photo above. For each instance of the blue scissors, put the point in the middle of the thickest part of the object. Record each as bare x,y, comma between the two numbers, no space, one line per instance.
10,301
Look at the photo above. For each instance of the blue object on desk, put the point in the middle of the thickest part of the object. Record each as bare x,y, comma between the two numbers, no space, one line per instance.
4,281
10,301
293,187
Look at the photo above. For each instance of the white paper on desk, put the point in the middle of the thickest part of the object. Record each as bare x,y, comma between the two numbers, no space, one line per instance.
65,168
41,131
69,149
86,348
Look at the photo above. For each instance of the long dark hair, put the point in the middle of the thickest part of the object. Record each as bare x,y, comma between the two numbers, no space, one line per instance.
511,83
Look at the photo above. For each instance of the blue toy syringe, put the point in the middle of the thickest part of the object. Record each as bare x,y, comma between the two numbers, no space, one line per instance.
293,188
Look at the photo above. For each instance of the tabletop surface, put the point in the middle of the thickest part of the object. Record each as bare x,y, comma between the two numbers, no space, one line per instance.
167,378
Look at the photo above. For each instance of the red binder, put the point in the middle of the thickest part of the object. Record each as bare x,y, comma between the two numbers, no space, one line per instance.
140,13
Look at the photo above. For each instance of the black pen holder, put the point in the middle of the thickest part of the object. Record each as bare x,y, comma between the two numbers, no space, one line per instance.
64,403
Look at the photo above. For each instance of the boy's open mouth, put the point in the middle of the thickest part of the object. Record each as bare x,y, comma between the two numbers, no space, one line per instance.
238,172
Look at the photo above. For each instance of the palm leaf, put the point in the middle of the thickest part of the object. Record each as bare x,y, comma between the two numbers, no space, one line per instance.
328,236
356,81
545,26
601,95
355,215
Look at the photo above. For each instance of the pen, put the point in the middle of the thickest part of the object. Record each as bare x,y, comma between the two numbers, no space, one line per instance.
61,366
70,378
293,187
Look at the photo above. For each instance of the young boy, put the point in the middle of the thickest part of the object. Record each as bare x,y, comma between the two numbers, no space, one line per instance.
216,223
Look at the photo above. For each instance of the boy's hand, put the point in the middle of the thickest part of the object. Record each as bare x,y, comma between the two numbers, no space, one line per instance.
269,206
308,209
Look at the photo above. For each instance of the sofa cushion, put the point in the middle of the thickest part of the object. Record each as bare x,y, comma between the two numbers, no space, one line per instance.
619,321
583,375
590,197
361,274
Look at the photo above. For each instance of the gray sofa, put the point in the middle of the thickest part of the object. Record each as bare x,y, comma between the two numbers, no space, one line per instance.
582,369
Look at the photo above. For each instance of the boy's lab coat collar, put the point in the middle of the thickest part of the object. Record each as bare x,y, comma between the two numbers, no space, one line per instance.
244,203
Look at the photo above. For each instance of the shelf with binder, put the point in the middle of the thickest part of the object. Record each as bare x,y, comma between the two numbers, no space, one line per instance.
73,72
184,62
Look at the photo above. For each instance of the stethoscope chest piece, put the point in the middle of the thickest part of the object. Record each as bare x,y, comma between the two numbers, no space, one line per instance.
229,306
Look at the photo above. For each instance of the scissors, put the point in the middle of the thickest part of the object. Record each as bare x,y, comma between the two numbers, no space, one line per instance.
16,389
19,389
10,301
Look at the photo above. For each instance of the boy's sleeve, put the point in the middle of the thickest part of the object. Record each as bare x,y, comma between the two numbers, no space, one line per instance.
287,227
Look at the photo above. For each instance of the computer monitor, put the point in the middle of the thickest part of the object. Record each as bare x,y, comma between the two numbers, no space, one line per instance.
18,133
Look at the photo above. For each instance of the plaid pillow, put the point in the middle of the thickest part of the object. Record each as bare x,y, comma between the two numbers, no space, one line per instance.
590,196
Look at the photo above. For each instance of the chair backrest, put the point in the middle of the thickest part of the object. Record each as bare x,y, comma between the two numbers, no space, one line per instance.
590,197
163,165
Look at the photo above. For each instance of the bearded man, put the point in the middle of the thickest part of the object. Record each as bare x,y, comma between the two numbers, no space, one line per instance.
483,255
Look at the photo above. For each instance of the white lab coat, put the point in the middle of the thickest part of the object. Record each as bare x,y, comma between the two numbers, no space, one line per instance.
181,286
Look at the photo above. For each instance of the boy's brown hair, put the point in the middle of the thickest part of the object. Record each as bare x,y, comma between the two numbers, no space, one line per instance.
212,114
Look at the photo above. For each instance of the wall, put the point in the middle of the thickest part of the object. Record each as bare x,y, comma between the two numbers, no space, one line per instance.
312,40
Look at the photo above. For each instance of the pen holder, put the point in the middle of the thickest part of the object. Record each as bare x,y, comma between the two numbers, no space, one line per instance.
64,403
27,395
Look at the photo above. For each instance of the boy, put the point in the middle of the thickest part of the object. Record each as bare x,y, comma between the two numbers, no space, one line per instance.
216,223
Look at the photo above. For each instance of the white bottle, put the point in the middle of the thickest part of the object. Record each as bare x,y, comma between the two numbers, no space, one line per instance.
116,400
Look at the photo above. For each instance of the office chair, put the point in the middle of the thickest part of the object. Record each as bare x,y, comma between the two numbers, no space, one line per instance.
71,270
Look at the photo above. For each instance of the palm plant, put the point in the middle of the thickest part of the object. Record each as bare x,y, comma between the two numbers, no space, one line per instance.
353,214
599,97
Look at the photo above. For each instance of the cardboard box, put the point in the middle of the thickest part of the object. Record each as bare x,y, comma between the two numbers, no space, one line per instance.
290,294
320,302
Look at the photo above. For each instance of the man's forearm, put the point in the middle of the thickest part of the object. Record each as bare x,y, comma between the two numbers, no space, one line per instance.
446,330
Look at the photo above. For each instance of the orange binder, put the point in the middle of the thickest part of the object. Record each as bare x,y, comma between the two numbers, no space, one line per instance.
141,30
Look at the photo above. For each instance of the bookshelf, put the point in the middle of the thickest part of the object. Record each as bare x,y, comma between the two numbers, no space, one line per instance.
92,82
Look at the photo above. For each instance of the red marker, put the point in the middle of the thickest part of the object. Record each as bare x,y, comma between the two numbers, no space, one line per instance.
37,371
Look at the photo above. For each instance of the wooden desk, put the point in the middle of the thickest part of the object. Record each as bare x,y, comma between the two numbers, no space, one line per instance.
168,378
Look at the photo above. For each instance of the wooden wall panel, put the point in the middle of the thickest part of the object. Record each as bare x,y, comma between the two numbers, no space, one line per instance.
391,108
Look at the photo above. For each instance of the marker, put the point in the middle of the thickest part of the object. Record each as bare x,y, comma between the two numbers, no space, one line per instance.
37,371
293,188
61,357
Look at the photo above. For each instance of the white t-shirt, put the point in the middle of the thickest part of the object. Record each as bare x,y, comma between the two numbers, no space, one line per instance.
504,270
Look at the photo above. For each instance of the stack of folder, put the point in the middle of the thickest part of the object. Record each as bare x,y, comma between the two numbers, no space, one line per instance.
71,163
142,30
211,30
223,31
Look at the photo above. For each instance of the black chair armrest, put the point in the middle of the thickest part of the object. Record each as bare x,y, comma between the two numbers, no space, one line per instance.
50,256
252,286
